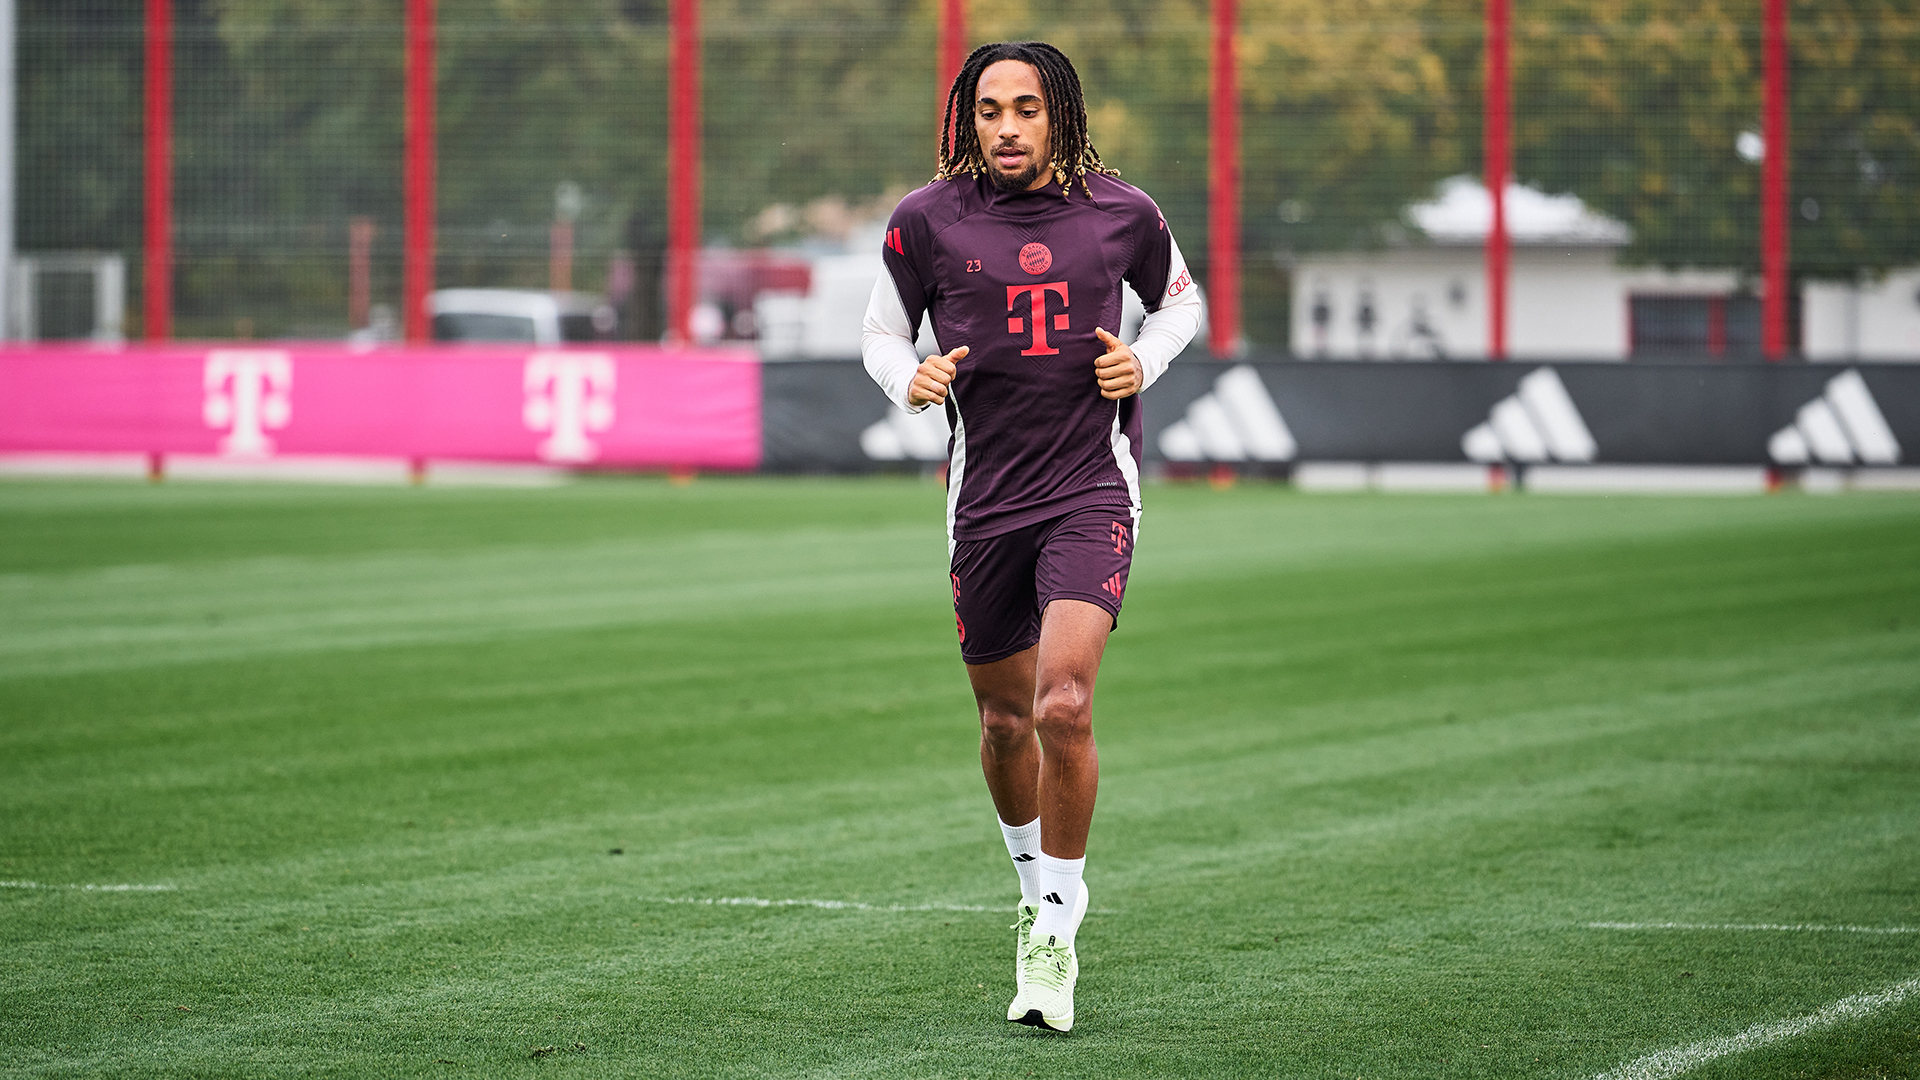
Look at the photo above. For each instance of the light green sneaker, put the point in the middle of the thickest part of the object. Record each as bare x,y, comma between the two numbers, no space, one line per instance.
1049,970
1033,1004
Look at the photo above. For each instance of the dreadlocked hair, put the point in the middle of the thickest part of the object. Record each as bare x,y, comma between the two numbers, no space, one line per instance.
1070,151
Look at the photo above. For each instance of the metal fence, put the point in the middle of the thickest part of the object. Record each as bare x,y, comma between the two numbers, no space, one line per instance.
552,132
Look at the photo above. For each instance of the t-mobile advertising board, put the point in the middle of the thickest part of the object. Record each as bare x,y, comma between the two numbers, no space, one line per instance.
827,415
651,407
633,406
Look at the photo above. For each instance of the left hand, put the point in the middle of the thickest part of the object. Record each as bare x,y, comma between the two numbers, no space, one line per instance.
1119,371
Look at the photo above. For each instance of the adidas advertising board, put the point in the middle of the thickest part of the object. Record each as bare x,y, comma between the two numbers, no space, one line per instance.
1843,426
828,416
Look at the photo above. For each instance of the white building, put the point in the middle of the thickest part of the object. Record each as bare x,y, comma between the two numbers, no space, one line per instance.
1873,320
1567,296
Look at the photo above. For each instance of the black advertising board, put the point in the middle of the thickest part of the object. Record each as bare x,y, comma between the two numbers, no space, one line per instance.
827,415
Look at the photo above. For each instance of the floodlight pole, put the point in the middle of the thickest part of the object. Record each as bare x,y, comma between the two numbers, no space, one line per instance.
1494,170
1223,187
683,165
952,53
157,278
1773,183
417,271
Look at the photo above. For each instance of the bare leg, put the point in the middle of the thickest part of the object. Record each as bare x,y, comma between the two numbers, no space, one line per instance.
1009,753
1073,637
1046,690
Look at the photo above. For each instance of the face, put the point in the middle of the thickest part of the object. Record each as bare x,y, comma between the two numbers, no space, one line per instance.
1011,117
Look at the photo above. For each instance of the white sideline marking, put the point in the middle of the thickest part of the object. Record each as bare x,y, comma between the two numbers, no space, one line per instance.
88,888
1671,1062
830,905
1811,928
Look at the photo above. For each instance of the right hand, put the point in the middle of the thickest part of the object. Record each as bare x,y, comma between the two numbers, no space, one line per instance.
929,386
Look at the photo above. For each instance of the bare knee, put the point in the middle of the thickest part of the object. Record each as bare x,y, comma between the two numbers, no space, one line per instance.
1004,724
1064,713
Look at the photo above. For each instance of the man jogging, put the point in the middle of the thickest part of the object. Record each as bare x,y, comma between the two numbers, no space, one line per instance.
1018,251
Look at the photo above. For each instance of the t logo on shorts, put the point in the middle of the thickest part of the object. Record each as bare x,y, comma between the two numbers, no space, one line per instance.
1119,539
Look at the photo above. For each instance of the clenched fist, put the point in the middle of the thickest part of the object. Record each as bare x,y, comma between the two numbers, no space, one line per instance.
1118,371
929,386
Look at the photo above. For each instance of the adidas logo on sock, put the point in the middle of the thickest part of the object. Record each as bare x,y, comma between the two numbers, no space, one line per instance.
1023,857
1053,898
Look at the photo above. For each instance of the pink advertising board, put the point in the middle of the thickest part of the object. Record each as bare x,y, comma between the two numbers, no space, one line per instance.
631,405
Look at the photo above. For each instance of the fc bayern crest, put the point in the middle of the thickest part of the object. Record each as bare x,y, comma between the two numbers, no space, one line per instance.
1035,258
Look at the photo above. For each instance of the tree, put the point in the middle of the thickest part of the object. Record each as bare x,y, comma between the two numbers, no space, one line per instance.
289,123
1637,106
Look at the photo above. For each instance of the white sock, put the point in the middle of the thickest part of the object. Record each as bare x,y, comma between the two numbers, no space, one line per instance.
1059,888
1023,843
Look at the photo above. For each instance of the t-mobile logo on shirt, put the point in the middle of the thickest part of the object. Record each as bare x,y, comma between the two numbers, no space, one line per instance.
1038,294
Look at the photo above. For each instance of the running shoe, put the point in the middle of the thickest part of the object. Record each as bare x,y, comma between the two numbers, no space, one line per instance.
1050,970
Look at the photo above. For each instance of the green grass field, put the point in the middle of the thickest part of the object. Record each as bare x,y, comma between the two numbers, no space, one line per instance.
438,778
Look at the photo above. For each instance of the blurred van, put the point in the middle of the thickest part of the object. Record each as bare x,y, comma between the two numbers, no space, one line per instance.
520,316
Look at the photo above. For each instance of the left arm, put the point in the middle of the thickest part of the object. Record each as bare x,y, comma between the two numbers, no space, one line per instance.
1126,370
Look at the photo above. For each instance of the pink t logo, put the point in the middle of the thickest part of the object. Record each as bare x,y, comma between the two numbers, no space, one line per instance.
1039,294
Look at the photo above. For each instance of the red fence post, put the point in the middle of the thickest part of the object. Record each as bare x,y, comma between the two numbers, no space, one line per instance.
683,166
419,169
1223,187
1773,184
952,52
560,256
1494,171
157,280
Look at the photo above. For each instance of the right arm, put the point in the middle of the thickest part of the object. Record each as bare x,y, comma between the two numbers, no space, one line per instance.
887,332
886,344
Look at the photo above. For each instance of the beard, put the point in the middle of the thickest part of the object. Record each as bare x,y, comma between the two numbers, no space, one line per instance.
1016,181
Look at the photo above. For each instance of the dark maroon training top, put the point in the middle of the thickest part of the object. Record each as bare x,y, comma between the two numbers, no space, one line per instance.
1022,279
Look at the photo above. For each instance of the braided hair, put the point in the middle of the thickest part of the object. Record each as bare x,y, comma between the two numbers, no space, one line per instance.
1070,152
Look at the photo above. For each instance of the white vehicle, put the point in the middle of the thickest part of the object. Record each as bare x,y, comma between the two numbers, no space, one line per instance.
522,316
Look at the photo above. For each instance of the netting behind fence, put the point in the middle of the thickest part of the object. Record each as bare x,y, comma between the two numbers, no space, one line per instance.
289,127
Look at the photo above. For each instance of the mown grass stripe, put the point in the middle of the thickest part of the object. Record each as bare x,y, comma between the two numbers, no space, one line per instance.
829,905
1810,928
88,888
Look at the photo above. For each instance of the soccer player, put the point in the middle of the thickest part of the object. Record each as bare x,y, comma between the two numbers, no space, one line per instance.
1018,251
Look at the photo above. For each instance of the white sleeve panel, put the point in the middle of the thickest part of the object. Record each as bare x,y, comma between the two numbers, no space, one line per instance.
1166,331
886,343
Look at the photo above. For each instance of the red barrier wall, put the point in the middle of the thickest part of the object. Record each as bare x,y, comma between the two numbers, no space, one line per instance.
634,406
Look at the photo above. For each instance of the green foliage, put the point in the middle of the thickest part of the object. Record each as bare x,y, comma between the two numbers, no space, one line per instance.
806,100
1856,136
1635,105
290,123
1351,114
79,125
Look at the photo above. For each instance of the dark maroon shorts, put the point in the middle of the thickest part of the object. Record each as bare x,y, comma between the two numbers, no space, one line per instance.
1003,583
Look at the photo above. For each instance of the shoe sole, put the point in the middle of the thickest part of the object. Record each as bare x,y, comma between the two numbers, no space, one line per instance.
1034,1019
